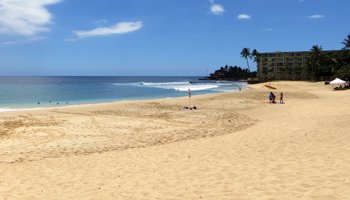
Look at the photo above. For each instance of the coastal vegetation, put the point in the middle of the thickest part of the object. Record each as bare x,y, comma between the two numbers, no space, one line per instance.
324,65
235,72
232,73
346,43
245,53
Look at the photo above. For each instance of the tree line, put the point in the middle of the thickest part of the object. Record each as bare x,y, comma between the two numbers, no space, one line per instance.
237,73
325,65
232,72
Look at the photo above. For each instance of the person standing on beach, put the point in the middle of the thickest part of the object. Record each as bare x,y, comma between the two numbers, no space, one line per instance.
281,98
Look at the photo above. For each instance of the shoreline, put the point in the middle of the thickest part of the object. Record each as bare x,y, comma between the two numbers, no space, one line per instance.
9,109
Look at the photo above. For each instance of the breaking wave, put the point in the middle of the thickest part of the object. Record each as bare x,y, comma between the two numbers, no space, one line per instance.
184,86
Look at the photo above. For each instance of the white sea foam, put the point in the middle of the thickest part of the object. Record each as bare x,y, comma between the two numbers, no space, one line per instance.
17,109
165,83
6,109
196,87
181,86
185,85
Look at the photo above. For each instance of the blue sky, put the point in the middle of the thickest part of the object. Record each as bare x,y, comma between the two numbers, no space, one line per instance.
159,37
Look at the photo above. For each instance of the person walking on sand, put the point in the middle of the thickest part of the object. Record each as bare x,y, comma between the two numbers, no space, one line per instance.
281,98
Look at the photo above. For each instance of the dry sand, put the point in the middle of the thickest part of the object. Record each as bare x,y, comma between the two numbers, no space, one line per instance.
235,146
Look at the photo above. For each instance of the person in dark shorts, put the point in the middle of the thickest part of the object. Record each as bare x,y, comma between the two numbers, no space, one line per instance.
281,98
272,97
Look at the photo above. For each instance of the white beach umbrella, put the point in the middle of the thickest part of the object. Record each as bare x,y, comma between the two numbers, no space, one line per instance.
337,81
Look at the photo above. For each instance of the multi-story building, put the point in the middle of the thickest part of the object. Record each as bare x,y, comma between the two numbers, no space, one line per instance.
282,65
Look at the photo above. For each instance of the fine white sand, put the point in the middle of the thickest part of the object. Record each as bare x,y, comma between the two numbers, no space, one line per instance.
235,146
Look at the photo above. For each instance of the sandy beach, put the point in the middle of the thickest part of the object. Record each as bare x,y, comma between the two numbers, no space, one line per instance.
236,145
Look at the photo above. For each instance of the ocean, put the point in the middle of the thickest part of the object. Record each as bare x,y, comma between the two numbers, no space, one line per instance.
38,92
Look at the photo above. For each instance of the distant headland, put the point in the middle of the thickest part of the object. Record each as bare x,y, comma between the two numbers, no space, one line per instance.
231,73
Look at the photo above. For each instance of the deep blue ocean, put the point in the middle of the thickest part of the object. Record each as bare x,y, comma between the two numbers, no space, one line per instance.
36,92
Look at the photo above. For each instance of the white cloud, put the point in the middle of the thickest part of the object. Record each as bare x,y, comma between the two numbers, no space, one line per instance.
119,28
243,16
25,17
316,16
216,9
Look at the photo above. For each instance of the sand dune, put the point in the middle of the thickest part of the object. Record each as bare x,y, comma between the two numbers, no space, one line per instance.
235,146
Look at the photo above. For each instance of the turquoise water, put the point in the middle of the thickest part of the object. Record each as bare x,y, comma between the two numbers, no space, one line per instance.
35,92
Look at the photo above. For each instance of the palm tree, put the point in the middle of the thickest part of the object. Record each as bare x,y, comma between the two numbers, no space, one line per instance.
313,62
316,50
246,54
318,63
254,54
346,42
